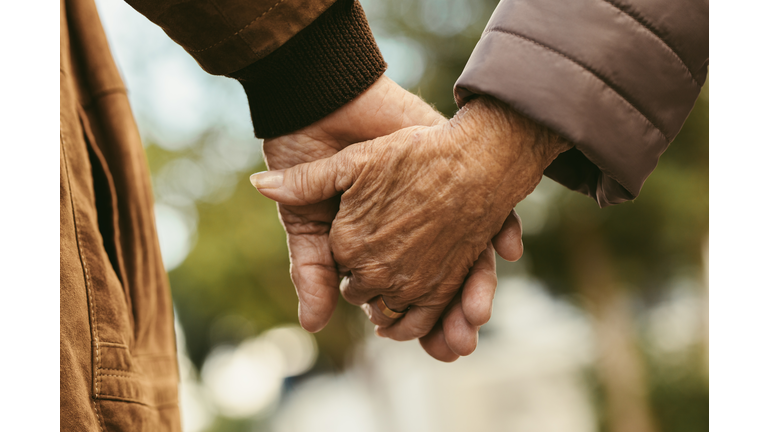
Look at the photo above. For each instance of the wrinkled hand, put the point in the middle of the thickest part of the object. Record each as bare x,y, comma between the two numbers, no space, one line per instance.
382,109
420,207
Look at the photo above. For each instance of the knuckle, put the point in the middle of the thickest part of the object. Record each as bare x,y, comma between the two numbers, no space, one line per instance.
344,248
342,256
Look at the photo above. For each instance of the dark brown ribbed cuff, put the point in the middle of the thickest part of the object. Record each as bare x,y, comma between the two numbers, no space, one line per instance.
317,71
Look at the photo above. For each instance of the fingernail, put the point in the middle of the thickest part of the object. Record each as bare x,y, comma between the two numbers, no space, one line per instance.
378,331
267,179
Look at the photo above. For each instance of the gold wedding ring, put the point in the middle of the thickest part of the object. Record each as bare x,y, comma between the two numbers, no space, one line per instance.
387,311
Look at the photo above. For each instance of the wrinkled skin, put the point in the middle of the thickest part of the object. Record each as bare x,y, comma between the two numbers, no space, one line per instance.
419,208
382,109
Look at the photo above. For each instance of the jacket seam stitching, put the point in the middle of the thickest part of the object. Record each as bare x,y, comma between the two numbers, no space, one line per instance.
237,32
114,345
589,70
137,401
133,375
88,285
123,376
98,417
645,24
118,370
229,23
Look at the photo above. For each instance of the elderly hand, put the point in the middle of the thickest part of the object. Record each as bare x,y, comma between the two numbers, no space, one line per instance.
382,109
419,208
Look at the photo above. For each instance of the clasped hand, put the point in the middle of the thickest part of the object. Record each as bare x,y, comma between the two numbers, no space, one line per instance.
423,202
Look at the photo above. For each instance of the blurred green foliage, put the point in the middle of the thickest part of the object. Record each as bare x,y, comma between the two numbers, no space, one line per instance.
240,267
445,52
652,239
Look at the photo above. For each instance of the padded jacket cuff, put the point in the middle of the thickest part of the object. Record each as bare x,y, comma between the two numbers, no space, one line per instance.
317,71
617,78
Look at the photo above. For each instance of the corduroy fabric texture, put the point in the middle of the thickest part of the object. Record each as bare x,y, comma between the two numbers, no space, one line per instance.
320,69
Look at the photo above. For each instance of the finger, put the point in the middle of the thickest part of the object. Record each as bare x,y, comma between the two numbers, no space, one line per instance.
480,288
509,241
315,277
434,344
375,315
357,292
416,323
312,182
460,334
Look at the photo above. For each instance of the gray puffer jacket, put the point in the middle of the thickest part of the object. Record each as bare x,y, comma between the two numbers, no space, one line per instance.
617,78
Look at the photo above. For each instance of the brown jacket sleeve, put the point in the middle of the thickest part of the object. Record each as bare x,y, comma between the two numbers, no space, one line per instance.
298,60
615,77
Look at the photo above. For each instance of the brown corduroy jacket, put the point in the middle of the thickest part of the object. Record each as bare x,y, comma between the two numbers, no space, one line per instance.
615,77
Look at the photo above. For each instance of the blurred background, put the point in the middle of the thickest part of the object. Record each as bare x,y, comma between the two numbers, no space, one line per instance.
602,326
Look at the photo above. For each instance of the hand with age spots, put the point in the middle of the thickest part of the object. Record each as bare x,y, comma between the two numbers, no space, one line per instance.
416,224
382,109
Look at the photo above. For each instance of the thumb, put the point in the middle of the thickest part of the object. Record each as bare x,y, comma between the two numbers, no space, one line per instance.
313,182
